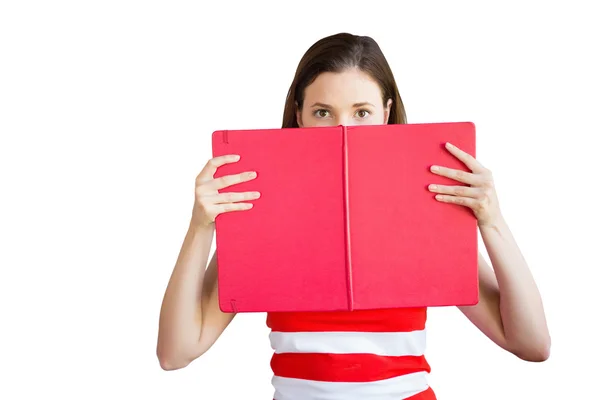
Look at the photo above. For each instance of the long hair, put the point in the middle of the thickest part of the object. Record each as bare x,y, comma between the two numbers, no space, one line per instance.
337,53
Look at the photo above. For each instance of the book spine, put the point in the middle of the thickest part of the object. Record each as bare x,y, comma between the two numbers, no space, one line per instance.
348,255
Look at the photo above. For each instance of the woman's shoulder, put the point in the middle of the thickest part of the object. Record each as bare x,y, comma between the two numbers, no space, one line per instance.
381,320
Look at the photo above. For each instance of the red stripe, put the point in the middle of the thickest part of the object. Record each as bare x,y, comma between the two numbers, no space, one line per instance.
387,320
345,367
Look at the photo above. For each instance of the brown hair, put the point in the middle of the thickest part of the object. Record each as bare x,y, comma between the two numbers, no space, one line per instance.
337,53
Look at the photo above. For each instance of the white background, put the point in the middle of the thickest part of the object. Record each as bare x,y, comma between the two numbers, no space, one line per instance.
106,111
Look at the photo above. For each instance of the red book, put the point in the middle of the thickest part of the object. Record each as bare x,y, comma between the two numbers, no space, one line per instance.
345,220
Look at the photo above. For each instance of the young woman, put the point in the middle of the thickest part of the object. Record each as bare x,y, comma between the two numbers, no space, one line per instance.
345,80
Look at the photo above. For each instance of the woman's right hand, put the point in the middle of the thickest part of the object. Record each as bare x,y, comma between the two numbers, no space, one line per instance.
209,202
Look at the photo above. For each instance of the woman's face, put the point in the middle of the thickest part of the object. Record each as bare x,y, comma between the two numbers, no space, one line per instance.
345,98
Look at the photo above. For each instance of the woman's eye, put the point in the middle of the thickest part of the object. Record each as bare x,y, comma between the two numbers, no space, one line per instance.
362,113
322,113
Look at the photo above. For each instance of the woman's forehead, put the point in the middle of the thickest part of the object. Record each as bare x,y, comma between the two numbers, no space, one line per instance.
342,89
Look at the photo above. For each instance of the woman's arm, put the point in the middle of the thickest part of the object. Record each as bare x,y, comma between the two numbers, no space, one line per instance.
510,310
190,318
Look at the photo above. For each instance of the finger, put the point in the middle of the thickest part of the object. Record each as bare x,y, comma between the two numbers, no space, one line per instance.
467,159
211,166
229,180
232,197
458,175
461,191
462,201
229,207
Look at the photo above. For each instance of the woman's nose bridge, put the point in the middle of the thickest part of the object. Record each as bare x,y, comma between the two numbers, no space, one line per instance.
342,120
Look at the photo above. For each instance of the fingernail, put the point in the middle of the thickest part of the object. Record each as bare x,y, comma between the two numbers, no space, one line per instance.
435,168
253,174
432,187
449,144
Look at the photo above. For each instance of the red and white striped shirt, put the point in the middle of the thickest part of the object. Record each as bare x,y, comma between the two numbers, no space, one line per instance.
366,354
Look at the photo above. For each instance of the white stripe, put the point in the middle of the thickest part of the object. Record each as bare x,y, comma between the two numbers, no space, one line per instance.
379,343
397,388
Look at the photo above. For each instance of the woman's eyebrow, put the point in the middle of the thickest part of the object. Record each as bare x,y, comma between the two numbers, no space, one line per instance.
323,105
364,103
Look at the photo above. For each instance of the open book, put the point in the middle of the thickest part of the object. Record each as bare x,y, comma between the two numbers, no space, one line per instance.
345,220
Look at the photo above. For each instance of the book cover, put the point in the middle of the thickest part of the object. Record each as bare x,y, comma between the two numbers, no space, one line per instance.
345,220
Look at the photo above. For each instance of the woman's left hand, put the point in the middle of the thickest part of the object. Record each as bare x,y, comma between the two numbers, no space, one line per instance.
480,196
